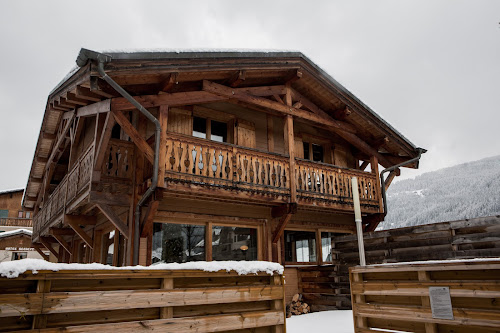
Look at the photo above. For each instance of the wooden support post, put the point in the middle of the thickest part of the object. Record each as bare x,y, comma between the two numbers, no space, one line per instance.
424,276
97,250
208,244
100,150
374,166
162,158
390,178
359,322
40,321
143,248
277,280
281,227
116,247
149,215
168,311
270,133
290,147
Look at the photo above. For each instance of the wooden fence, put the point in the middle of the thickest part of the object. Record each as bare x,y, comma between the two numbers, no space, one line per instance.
327,287
399,297
142,300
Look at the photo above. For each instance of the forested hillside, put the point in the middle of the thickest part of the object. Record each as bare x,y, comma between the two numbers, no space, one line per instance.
462,191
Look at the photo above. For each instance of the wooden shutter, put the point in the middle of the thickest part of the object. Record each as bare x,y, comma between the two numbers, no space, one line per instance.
340,156
180,121
246,134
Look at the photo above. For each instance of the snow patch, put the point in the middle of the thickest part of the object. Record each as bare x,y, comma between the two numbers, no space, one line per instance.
12,269
16,232
338,321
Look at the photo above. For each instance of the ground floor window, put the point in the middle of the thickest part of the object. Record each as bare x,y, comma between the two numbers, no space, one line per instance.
19,255
300,246
326,246
233,243
178,242
173,242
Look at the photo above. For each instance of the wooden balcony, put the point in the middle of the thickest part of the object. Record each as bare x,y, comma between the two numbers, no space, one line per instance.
221,169
16,222
76,187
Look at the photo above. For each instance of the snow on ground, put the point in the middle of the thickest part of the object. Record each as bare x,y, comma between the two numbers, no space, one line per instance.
12,269
338,321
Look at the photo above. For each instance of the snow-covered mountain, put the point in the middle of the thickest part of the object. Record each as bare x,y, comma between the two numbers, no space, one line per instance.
462,191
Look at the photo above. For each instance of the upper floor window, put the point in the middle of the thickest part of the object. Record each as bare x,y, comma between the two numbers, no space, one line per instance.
28,215
313,152
20,213
209,129
4,213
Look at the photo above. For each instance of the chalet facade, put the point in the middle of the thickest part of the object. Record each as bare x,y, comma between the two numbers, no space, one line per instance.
12,215
164,156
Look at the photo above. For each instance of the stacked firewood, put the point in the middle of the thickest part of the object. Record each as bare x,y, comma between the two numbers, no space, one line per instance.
297,306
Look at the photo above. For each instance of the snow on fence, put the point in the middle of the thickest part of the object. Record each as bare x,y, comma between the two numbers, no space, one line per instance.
439,296
134,300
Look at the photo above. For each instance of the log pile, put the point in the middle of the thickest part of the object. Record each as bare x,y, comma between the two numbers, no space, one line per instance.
297,306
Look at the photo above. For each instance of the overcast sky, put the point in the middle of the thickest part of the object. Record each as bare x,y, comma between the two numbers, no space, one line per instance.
429,68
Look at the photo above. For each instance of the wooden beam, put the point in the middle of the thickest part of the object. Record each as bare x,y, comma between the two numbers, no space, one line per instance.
290,141
114,218
43,160
62,242
72,98
46,241
37,248
104,140
281,227
170,82
62,231
318,120
363,165
389,179
238,78
279,211
175,99
294,76
149,215
74,222
162,158
93,109
85,93
134,135
48,136
270,133
61,139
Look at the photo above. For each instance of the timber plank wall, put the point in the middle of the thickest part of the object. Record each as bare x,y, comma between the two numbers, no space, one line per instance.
327,287
397,297
142,300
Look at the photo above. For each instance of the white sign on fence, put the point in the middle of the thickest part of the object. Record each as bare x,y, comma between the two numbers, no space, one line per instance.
441,303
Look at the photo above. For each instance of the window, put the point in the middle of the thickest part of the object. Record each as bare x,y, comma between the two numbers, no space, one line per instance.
326,246
19,255
178,242
4,213
20,214
300,246
209,129
234,243
28,215
313,152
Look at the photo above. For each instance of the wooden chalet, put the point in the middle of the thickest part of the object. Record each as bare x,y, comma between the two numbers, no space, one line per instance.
255,155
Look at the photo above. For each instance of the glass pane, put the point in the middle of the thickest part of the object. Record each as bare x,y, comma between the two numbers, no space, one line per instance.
306,150
20,214
200,127
326,246
300,246
110,244
317,153
28,215
4,213
233,243
178,242
218,131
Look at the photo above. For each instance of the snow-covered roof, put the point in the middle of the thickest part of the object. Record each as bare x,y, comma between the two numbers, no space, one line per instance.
16,232
11,191
12,269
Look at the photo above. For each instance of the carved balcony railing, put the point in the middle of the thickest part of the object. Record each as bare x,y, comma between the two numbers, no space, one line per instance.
74,183
16,222
326,183
221,165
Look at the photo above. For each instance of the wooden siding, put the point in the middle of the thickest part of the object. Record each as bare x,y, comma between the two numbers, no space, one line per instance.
291,283
133,301
396,297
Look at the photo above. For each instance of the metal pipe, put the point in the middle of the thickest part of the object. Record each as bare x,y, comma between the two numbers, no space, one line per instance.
357,219
101,59
394,167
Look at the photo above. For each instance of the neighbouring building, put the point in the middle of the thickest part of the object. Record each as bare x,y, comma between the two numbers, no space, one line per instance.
12,215
255,152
